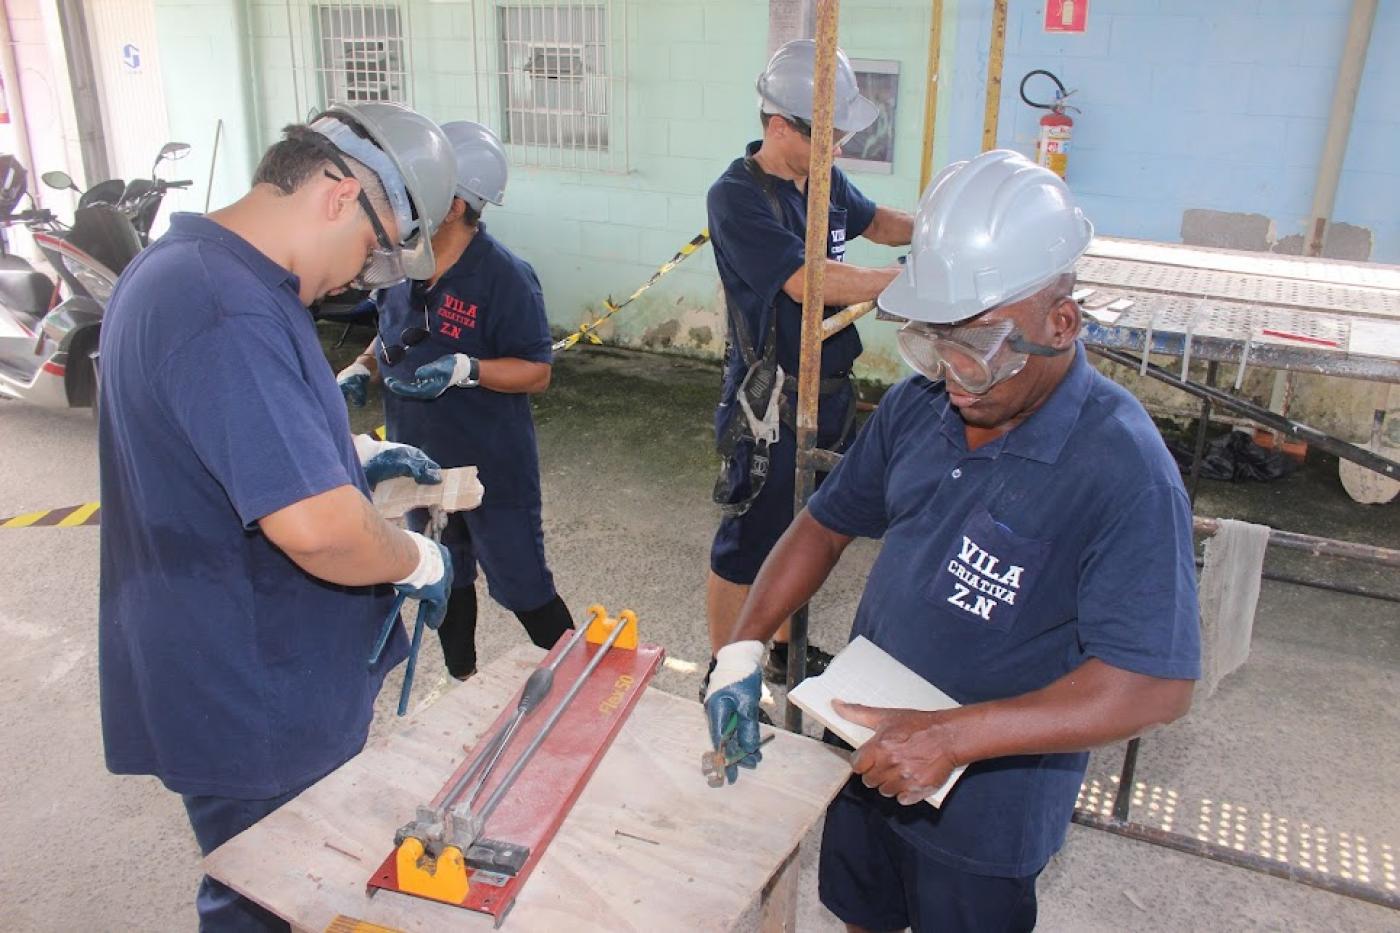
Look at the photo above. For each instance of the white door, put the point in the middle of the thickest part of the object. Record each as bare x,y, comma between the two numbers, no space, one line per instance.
127,63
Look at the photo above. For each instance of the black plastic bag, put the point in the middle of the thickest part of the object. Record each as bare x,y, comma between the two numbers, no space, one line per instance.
1235,457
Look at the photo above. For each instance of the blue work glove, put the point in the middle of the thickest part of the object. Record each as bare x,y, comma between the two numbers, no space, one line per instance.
431,581
354,383
731,705
384,459
432,379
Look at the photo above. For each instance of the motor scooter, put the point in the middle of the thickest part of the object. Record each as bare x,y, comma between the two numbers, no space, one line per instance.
49,329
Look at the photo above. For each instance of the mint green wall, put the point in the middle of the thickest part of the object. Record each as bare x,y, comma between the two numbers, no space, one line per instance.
690,106
207,77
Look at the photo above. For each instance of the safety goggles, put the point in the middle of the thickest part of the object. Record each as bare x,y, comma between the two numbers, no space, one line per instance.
411,336
974,356
805,128
387,262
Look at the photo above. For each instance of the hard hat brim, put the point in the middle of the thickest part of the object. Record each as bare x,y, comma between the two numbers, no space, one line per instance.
862,113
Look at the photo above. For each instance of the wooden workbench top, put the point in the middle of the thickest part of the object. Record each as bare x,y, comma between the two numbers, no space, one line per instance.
702,862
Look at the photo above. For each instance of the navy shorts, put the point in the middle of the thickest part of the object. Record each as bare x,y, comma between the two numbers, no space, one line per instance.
872,877
742,542
508,543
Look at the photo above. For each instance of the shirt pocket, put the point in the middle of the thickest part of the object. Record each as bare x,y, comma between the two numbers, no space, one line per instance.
836,234
986,572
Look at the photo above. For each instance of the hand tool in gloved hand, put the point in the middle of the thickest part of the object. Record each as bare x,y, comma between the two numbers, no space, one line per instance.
732,705
715,764
456,825
432,592
432,379
383,459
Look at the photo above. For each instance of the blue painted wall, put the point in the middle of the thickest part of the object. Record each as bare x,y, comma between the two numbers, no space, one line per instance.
1218,104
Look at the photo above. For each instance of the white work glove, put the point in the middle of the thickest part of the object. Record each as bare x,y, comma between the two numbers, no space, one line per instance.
353,381
430,582
731,704
383,459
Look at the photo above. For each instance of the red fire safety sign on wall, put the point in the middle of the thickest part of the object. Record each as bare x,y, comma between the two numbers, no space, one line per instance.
1066,15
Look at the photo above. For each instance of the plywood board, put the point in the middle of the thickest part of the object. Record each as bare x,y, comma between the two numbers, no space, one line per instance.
459,491
648,846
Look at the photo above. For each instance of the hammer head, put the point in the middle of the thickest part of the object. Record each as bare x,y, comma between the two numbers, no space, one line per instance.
712,765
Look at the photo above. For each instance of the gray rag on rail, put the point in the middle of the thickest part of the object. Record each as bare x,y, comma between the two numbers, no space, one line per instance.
1229,591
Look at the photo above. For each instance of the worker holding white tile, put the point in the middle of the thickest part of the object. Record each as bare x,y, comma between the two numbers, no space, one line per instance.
1036,566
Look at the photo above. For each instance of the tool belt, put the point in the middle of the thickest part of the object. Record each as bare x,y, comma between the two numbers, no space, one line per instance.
762,396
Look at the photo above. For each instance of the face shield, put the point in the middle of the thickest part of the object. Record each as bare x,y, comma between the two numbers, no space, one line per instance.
388,262
975,356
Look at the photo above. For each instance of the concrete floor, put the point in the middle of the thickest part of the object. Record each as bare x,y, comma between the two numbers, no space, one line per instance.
1303,737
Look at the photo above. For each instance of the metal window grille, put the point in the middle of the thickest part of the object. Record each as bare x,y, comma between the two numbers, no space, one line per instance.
362,53
550,80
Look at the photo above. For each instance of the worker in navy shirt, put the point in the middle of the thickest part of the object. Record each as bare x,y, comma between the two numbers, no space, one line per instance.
460,355
1036,566
244,572
758,223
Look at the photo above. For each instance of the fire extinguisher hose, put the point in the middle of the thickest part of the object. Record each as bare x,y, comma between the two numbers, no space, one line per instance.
1058,84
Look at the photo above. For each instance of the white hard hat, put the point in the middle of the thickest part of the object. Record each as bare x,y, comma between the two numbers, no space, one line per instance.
482,167
786,87
988,231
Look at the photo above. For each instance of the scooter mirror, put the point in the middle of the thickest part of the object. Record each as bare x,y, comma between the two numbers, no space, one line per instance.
173,151
59,180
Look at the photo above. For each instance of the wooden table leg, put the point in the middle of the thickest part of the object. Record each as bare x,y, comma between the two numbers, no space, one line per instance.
778,911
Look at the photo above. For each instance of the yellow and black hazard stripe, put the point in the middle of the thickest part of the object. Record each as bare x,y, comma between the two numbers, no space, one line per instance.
74,516
77,516
588,331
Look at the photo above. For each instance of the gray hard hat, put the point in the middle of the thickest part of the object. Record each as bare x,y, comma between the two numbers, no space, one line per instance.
785,87
987,232
413,160
482,167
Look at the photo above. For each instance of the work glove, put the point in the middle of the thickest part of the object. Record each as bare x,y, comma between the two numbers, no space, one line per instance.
354,383
432,379
384,459
431,581
731,705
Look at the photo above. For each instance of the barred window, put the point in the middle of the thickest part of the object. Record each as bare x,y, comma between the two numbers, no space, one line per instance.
553,74
361,53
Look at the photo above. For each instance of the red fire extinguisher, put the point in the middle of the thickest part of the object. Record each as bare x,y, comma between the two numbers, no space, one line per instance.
1056,127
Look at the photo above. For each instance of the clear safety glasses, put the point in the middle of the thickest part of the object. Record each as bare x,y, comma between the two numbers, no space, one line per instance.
974,356
838,138
384,265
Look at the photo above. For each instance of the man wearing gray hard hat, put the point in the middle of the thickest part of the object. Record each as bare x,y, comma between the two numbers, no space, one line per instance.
245,575
1036,566
758,221
460,354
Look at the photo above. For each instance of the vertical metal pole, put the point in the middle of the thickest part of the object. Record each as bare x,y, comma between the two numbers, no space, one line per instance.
1329,170
809,365
1202,429
935,48
1123,799
994,61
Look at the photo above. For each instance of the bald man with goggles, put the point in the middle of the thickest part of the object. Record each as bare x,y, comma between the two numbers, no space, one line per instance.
1036,565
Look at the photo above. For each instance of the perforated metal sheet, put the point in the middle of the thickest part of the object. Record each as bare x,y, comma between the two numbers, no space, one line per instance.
1336,272
1133,276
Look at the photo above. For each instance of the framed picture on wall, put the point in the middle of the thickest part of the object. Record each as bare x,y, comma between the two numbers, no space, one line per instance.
872,149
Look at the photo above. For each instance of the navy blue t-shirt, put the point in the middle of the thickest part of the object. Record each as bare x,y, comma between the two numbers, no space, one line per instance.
488,305
225,669
1004,568
756,253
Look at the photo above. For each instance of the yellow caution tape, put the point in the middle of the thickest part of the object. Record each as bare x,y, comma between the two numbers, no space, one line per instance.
588,331
73,516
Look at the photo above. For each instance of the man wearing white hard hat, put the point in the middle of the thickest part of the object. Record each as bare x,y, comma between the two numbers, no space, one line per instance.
758,223
460,354
1036,566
